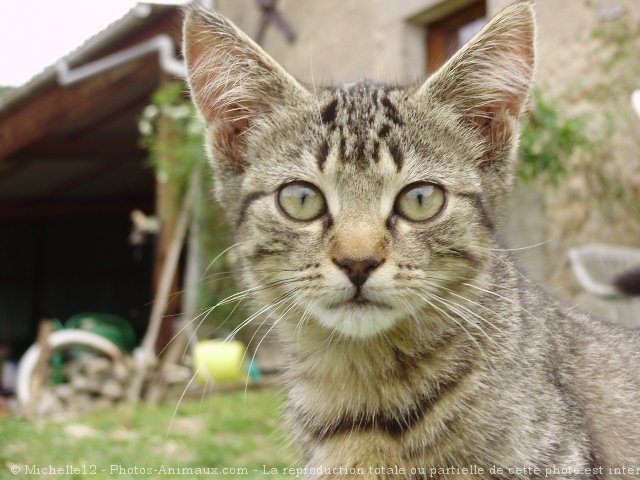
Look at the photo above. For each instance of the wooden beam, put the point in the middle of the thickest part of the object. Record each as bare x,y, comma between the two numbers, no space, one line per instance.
83,178
62,105
168,197
9,168
82,148
37,210
132,108
163,294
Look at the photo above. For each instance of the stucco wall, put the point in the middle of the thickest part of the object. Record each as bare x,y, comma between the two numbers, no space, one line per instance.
336,40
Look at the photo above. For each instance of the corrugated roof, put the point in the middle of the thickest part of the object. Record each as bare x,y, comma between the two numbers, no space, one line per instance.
138,15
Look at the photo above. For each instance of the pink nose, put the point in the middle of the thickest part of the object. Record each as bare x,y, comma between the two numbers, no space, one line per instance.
358,271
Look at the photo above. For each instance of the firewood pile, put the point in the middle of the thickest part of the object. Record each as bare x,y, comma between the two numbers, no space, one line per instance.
91,382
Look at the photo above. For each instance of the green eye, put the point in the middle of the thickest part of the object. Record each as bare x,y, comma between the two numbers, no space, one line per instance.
302,201
420,201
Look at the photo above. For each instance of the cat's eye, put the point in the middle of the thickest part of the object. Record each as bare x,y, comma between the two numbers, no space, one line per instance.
420,201
302,201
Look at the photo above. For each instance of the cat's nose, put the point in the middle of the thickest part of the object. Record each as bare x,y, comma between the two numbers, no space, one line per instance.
358,271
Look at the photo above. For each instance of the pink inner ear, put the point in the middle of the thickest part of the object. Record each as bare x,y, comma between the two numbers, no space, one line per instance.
238,125
485,116
235,116
232,121
483,122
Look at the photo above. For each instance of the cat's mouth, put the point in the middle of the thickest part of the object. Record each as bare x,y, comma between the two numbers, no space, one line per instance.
360,301
358,315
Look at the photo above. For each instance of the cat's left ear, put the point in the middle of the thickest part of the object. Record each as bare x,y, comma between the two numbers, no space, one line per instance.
487,82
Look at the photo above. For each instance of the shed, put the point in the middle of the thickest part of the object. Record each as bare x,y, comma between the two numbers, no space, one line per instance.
72,170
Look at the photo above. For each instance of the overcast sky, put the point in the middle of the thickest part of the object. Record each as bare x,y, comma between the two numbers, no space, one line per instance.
36,33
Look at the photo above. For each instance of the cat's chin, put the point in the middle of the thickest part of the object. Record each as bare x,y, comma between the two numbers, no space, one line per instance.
358,320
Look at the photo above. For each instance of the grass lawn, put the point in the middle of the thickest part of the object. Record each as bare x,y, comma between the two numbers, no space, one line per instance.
223,430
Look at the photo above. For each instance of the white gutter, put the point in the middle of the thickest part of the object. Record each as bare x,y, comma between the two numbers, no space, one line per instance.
162,44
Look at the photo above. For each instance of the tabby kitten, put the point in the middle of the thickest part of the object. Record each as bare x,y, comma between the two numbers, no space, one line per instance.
365,221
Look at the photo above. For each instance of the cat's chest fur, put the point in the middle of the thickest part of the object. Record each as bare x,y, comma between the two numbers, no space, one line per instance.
436,400
387,408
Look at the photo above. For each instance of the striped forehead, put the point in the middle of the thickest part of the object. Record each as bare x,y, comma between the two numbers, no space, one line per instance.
360,122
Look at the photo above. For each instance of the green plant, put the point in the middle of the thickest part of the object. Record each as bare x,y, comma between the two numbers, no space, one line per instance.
171,131
235,429
549,139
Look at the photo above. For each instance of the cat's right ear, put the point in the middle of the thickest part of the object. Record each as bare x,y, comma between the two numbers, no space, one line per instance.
234,83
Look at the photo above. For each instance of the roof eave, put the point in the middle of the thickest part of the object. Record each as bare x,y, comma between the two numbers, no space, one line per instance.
132,19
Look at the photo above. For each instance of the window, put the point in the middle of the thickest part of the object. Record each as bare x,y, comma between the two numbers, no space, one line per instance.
446,36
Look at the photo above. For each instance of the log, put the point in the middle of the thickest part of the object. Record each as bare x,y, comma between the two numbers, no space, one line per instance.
45,329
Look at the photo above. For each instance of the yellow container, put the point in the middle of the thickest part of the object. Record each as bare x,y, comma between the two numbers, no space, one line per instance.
219,361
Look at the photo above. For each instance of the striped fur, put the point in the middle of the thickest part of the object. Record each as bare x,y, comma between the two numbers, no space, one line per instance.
455,359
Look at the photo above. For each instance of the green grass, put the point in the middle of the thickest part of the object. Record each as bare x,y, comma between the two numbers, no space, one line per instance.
223,430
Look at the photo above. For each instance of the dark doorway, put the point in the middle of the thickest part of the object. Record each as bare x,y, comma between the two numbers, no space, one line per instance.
59,267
